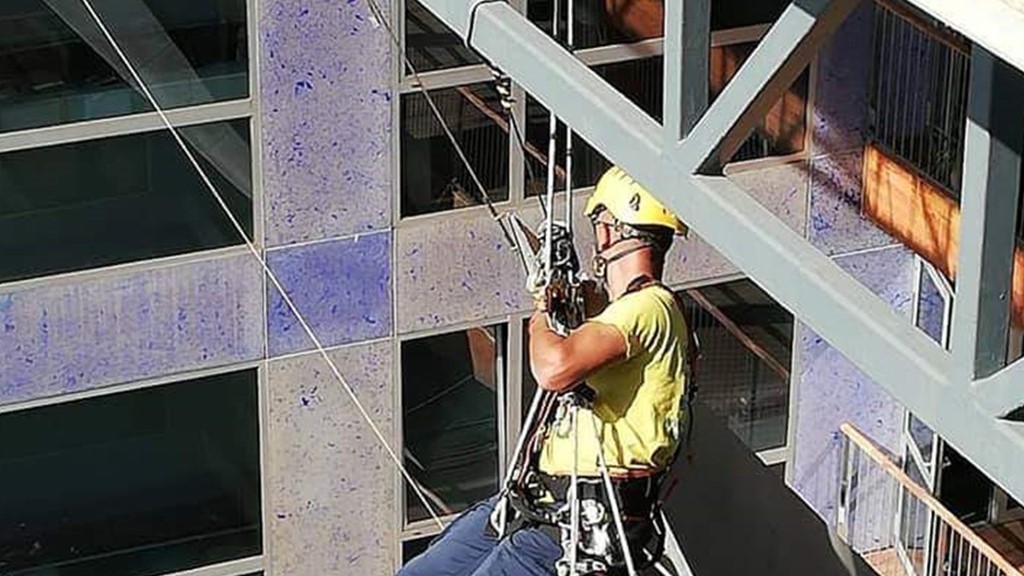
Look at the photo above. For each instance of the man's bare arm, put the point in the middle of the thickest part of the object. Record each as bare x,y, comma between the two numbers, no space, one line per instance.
560,363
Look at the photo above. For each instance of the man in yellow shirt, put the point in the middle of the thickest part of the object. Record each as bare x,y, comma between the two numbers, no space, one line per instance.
632,357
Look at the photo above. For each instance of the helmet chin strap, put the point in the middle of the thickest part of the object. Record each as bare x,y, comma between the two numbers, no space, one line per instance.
600,263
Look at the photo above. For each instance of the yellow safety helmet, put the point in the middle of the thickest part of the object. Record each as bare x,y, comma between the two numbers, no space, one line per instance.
630,203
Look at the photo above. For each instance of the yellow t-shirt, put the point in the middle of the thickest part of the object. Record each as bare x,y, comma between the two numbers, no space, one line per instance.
637,403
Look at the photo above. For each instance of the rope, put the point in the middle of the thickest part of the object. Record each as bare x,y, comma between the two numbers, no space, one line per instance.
613,500
263,263
386,23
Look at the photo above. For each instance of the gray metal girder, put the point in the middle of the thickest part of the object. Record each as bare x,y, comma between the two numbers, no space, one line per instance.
988,217
687,59
770,70
1000,393
883,344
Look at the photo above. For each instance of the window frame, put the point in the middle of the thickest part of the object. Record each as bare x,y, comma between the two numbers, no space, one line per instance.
417,529
237,567
248,108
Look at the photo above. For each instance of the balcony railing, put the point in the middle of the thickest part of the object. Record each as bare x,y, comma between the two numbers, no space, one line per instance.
899,526
919,92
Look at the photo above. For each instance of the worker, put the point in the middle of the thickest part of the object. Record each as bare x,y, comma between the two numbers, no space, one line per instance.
632,357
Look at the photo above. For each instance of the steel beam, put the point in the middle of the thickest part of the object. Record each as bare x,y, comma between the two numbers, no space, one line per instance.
994,24
988,208
775,64
687,62
1002,392
883,344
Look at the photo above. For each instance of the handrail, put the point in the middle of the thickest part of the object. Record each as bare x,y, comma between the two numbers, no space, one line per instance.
738,333
933,504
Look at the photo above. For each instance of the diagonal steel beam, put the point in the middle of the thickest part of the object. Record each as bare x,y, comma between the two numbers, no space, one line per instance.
780,57
884,345
991,180
1002,392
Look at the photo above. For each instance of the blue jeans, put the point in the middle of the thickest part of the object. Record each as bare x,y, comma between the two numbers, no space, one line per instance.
465,549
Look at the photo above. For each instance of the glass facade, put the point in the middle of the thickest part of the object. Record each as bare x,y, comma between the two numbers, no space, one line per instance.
451,389
146,482
434,178
430,45
165,477
121,199
57,67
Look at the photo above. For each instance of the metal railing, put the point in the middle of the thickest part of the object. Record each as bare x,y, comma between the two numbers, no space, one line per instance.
918,104
899,527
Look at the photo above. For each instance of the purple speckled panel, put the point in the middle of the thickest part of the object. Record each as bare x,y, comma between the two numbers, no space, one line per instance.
831,390
326,110
454,271
837,224
330,485
88,332
843,83
341,287
694,260
780,189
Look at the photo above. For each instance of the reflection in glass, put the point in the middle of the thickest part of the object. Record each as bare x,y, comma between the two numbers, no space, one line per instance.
931,308
529,382
593,27
924,438
736,383
121,199
139,483
433,176
597,25
430,44
450,387
56,66
638,80
413,548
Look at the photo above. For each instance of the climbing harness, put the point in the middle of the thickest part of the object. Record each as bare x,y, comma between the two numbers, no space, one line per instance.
587,513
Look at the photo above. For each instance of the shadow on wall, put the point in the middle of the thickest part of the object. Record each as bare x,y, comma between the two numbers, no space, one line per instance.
732,515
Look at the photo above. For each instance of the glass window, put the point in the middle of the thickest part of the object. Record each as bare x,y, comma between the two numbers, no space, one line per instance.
726,14
56,66
784,129
120,199
434,178
639,80
413,548
594,24
746,340
600,23
529,382
430,44
931,308
450,389
145,482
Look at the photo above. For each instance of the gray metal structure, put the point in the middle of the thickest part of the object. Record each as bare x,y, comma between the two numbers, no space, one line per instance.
683,172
